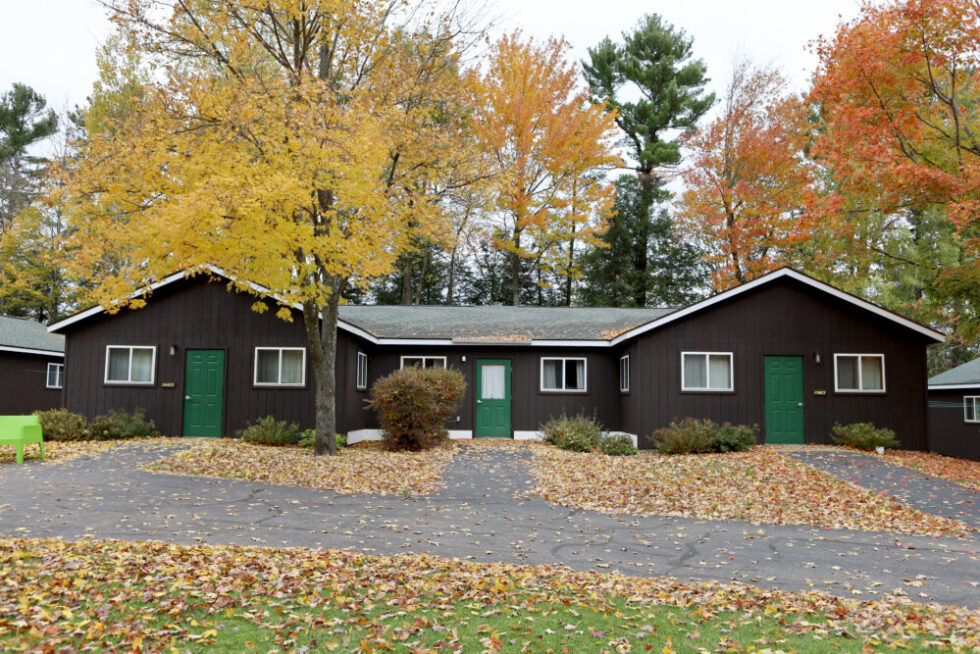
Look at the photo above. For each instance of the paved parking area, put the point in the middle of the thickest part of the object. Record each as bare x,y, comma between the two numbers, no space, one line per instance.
484,513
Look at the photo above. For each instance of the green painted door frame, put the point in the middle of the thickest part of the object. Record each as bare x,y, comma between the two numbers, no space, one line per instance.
492,410
784,399
204,384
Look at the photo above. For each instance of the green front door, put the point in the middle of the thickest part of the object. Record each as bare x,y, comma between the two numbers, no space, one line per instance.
204,383
492,398
784,399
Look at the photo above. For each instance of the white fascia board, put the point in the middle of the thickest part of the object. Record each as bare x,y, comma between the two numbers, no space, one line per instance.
771,277
28,350
953,387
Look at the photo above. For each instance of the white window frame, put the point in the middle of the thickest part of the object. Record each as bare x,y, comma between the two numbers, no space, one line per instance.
976,408
60,367
585,375
707,372
129,381
624,359
279,384
424,357
361,382
860,389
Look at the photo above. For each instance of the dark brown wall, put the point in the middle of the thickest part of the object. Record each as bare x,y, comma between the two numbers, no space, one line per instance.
949,433
780,318
530,406
23,381
187,315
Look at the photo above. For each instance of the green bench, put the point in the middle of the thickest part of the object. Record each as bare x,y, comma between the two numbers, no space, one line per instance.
19,431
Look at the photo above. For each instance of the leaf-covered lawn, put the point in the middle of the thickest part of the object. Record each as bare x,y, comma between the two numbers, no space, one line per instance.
113,596
960,471
759,486
358,469
55,451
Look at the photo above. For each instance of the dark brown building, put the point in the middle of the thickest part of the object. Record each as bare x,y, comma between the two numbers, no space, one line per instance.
785,352
954,411
31,366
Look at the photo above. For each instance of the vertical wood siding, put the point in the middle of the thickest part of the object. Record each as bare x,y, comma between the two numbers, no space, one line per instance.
187,315
949,434
781,318
23,384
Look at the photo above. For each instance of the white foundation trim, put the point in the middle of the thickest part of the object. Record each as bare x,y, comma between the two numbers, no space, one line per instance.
361,435
528,436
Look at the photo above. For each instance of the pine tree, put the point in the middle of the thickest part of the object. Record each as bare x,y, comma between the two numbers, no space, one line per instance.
654,62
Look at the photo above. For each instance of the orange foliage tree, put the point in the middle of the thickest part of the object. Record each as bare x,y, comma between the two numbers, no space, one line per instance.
747,180
898,91
543,140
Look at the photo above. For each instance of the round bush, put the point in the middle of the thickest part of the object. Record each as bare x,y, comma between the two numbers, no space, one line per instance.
269,431
414,404
576,434
617,445
122,424
63,425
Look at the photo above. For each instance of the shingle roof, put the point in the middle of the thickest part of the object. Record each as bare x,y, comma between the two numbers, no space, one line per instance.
968,373
496,323
28,334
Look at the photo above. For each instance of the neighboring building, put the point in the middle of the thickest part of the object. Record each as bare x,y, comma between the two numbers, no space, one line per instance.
784,351
954,411
32,364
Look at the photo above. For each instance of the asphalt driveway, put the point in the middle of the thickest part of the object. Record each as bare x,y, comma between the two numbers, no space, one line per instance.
484,513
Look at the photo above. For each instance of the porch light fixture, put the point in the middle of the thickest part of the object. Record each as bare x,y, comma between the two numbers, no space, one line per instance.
173,350
816,357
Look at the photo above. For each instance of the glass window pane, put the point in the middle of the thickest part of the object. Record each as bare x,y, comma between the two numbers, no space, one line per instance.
435,363
694,371
53,376
361,370
847,373
409,362
871,378
267,367
118,364
552,375
624,374
492,382
142,365
719,371
574,374
971,409
292,367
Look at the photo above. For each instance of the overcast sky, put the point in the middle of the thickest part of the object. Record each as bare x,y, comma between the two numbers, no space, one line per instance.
50,44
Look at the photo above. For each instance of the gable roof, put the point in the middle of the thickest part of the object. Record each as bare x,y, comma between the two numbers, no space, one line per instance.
29,337
965,376
507,325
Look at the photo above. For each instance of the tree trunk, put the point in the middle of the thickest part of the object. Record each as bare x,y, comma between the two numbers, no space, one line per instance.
642,244
515,264
407,283
450,285
321,336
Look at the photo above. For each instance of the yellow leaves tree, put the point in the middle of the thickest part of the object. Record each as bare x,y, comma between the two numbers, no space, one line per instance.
747,180
281,140
543,139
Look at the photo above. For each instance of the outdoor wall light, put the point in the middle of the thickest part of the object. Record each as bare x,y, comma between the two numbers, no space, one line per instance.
173,350
816,357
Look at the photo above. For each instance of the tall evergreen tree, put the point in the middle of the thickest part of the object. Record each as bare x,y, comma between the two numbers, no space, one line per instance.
641,231
24,120
653,64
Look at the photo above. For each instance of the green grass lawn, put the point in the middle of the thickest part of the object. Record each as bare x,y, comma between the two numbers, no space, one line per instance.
110,596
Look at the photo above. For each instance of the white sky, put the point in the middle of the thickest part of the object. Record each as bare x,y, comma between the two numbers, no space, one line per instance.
50,44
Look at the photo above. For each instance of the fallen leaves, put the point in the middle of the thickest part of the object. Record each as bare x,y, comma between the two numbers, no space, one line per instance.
115,596
354,470
959,471
759,486
57,451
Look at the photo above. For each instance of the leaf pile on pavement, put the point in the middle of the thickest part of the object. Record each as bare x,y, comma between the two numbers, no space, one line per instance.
759,486
959,471
353,470
124,596
56,451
